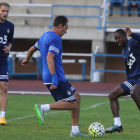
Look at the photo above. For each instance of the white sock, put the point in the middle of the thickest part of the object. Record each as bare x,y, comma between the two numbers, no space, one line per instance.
117,121
45,107
3,114
75,129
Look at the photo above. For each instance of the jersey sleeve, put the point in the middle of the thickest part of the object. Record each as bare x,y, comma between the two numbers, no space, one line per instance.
36,45
55,46
135,36
10,37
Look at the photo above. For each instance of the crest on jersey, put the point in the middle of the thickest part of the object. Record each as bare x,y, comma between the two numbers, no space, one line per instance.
68,92
8,31
128,48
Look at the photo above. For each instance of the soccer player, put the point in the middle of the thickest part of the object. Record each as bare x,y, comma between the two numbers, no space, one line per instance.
66,97
6,41
131,55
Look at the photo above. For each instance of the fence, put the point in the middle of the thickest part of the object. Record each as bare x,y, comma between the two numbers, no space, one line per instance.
93,70
21,55
39,67
107,21
101,16
52,6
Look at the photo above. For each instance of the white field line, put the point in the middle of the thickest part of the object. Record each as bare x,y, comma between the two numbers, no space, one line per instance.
55,112
48,93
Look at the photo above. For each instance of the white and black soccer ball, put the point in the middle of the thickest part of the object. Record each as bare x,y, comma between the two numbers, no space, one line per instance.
96,130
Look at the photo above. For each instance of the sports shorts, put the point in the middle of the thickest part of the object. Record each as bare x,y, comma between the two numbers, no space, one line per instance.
64,92
4,71
129,85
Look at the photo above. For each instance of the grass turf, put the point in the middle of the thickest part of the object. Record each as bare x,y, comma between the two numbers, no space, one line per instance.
22,123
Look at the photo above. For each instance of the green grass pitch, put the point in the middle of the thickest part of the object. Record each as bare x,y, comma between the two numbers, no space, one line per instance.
22,122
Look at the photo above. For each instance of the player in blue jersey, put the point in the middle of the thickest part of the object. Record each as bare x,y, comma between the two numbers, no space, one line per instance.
131,55
6,41
66,97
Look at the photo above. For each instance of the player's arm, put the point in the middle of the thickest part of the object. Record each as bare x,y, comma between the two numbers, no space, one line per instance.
10,41
133,35
51,65
7,48
29,54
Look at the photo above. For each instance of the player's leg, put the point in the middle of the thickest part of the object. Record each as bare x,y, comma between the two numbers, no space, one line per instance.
113,97
4,88
61,105
65,100
76,112
135,94
64,97
122,90
4,96
75,118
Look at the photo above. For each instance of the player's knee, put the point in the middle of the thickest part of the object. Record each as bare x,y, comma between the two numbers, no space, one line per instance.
111,95
73,105
78,97
133,93
4,89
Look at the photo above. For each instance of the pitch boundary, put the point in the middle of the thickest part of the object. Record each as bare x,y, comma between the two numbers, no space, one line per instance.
48,93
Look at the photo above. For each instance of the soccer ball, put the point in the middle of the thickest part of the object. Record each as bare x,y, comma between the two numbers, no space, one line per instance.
96,130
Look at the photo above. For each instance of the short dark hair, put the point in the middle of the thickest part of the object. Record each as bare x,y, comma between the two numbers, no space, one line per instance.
60,20
4,3
121,31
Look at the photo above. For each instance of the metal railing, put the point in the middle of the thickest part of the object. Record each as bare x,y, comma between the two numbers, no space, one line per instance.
39,67
103,70
119,22
76,16
52,6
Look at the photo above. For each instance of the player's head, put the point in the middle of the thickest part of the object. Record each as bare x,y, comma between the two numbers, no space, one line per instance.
121,37
61,25
4,10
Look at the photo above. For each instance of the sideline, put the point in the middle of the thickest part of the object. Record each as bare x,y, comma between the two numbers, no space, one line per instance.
48,93
93,106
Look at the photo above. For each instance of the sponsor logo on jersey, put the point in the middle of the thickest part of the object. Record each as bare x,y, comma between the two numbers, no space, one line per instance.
68,92
8,31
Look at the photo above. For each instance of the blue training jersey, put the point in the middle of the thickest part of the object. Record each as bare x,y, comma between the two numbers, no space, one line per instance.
6,36
51,42
131,54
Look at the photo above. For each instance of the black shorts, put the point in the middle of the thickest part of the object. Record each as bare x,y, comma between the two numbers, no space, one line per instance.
4,71
64,92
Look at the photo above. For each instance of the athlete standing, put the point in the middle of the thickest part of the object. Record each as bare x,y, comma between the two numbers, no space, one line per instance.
6,41
66,97
131,54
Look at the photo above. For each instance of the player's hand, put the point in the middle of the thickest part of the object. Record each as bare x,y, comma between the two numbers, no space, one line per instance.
6,49
24,62
128,31
54,82
53,87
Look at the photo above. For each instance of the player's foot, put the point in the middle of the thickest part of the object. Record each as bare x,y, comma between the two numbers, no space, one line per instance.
40,113
79,134
2,121
114,128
